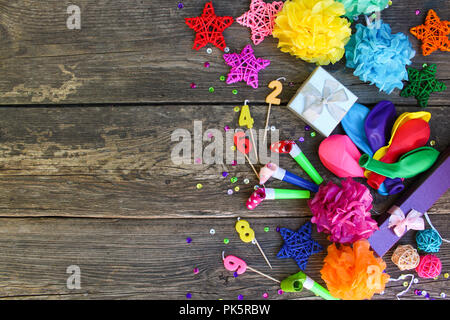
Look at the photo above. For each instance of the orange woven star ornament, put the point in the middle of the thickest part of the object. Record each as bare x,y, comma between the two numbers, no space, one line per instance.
434,34
209,28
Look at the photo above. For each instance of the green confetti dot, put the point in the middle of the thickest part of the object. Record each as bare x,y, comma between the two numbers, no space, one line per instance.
211,89
226,241
313,134
266,229
233,180
234,91
222,78
236,109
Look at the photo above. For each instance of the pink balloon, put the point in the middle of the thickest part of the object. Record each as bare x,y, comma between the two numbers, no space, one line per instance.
339,155
232,263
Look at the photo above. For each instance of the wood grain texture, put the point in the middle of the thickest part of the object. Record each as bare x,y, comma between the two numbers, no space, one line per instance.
140,259
140,51
116,162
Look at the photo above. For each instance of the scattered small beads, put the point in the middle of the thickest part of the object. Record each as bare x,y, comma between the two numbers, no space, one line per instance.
226,50
417,12
265,295
246,181
211,89
236,109
234,91
193,85
446,275
280,292
226,241
180,5
278,229
432,143
188,240
212,232
313,134
195,270
405,284
266,229
188,295
199,186
443,295
222,78
272,128
389,3
416,280
301,139
230,191
233,179
424,293
236,189
424,65
209,51
307,128
226,128
234,163
417,292
206,64
240,297
235,274
224,174
256,187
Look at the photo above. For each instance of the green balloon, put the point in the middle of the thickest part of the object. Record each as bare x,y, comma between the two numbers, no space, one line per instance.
408,165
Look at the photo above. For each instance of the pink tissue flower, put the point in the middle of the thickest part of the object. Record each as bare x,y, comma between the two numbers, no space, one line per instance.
343,212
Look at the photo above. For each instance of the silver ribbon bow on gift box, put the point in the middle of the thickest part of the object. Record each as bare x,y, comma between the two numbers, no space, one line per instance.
315,101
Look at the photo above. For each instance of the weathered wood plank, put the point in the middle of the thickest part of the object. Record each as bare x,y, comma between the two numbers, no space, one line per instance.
116,162
140,259
140,51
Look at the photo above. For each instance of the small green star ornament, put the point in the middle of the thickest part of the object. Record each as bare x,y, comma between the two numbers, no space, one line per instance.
422,83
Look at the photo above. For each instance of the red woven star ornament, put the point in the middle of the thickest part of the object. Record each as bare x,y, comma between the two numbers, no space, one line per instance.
434,34
260,19
244,66
209,28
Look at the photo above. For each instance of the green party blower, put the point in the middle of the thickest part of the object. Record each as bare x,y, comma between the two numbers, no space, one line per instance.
298,281
289,146
275,194
408,165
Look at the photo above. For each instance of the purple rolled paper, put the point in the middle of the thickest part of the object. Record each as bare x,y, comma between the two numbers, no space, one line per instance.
420,197
378,124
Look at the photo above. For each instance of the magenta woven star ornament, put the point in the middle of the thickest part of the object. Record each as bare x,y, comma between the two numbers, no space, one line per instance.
244,66
260,19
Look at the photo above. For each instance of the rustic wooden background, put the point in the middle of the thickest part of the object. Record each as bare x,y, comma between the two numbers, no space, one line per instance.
86,178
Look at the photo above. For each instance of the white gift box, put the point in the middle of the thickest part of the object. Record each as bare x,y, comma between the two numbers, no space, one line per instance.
322,101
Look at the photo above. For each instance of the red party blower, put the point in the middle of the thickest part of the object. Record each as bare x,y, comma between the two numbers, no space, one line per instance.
411,135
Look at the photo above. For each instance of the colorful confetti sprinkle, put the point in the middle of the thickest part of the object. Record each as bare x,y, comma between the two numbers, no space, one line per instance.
188,240
226,241
199,186
188,295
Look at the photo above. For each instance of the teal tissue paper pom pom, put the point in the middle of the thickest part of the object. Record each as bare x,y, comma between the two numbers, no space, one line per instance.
378,56
428,240
357,7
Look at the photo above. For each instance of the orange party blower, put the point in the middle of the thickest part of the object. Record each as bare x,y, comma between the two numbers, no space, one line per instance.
411,135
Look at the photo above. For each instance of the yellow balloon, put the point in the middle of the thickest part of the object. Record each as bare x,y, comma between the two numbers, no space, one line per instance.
401,120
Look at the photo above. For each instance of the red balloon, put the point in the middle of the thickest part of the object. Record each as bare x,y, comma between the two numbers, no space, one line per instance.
242,143
411,135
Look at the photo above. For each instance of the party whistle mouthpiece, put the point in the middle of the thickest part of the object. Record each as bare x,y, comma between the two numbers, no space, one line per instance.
289,146
272,170
275,194
300,280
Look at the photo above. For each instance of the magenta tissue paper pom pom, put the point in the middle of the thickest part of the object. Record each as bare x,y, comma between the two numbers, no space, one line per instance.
343,212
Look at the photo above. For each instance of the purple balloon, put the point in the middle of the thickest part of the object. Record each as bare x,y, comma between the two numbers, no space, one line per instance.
378,124
394,186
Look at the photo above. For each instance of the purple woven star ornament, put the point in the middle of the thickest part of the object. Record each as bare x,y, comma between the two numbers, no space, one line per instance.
299,245
244,66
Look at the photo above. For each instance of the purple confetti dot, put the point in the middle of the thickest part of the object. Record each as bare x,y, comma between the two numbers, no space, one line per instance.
188,240
193,85
280,292
210,135
234,162
265,295
417,12
278,229
195,270
226,128
198,160
206,64
307,128
224,174
235,274
240,297
301,139
188,295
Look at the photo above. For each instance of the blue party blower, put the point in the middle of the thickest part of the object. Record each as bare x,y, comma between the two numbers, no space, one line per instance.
272,170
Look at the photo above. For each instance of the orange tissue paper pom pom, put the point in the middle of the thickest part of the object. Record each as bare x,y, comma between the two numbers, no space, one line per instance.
354,273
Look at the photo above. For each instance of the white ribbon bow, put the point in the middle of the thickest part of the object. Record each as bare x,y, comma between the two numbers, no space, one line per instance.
401,224
315,101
